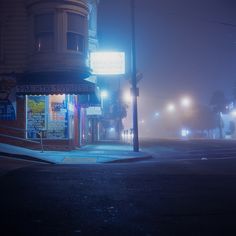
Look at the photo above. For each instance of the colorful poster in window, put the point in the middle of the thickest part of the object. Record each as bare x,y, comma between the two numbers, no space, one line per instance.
57,122
36,119
7,99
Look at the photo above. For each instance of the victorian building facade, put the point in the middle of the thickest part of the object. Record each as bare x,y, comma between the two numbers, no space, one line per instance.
45,82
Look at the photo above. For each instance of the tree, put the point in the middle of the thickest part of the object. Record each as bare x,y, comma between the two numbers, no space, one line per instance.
218,103
200,118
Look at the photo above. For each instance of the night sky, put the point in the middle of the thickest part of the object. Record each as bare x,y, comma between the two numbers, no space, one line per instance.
183,46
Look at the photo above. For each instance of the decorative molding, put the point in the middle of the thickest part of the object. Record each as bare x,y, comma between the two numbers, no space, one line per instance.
77,3
46,89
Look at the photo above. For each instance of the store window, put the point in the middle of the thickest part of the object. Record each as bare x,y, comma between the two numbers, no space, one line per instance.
58,117
57,107
44,32
75,32
7,99
52,115
36,116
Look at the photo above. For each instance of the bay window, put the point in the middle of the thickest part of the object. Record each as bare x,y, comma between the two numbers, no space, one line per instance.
44,32
75,32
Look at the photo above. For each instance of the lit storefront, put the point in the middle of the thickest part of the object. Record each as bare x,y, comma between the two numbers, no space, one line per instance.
52,115
57,111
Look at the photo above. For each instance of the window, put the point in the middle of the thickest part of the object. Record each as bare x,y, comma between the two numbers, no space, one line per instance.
36,115
75,42
57,107
44,32
75,32
51,115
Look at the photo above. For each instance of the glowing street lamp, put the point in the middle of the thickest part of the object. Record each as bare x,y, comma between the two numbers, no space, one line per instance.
142,121
233,113
104,94
157,114
170,107
127,97
186,102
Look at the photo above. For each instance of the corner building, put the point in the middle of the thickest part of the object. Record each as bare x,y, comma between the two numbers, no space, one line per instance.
45,81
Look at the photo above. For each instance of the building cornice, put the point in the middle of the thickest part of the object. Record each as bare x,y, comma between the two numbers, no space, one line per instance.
77,3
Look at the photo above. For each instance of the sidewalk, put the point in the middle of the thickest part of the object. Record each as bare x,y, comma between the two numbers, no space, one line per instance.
90,154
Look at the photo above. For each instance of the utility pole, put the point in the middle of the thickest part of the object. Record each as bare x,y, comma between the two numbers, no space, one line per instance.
134,88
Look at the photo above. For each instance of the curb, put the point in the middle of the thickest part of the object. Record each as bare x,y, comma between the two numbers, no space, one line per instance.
127,160
39,160
26,157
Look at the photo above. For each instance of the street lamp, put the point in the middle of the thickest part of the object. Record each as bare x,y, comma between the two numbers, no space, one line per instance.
104,95
134,88
127,97
142,122
185,102
233,113
170,107
157,114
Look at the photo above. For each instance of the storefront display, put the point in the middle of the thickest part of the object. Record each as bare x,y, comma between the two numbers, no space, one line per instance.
57,119
53,115
7,99
35,116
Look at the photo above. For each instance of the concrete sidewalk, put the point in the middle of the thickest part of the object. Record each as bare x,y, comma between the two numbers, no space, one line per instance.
90,154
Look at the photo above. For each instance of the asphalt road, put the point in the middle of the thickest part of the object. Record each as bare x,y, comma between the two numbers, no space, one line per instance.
188,188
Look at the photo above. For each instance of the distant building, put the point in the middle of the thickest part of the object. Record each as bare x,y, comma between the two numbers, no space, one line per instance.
229,121
45,81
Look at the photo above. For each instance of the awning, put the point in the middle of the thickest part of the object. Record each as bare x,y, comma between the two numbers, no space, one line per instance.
49,83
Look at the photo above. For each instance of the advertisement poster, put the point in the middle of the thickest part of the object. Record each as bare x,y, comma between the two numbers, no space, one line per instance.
7,99
36,119
57,124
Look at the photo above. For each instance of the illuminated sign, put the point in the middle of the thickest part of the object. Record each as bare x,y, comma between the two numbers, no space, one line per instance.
91,111
107,63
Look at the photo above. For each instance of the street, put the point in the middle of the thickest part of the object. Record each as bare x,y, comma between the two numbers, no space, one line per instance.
187,188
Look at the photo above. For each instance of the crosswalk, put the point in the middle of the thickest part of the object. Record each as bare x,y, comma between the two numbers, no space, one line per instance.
192,150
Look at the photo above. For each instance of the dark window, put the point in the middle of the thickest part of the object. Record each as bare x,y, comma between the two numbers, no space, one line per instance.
75,32
44,32
75,42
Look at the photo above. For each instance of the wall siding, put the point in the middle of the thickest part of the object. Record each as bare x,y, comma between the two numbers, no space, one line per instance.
13,22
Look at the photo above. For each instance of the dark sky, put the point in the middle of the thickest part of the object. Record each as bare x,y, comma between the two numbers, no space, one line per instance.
183,46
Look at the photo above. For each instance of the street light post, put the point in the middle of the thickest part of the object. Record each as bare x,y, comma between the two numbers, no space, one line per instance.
134,88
